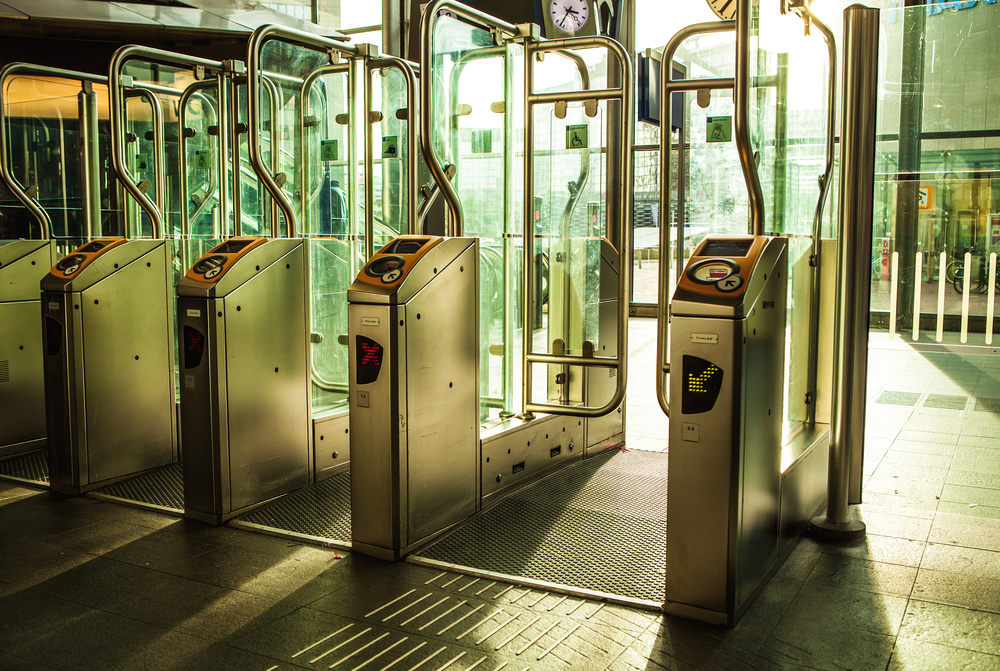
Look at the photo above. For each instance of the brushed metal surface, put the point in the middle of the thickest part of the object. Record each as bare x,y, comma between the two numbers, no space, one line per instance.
22,388
414,430
128,367
514,457
442,397
113,367
267,378
378,461
760,448
245,406
701,477
331,444
23,264
803,484
725,478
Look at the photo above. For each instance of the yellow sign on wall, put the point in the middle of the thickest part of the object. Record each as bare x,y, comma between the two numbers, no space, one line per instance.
925,197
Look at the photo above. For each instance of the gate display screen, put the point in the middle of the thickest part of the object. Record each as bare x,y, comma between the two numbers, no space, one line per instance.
726,248
701,385
194,347
369,359
53,336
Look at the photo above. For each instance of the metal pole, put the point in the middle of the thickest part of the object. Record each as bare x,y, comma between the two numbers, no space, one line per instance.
741,122
90,165
857,188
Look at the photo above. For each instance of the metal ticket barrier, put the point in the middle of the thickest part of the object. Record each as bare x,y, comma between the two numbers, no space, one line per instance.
414,404
727,357
108,363
244,376
57,184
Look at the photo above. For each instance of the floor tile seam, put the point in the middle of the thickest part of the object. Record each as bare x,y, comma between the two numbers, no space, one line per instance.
162,570
919,639
952,604
35,664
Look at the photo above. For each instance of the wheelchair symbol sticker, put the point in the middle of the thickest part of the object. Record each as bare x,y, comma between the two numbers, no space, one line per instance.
577,136
201,160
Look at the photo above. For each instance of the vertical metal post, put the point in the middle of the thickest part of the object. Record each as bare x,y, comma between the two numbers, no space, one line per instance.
367,125
225,109
90,164
527,285
234,152
741,122
857,187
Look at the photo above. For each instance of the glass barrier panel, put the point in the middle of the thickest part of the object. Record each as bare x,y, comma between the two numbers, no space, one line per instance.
789,84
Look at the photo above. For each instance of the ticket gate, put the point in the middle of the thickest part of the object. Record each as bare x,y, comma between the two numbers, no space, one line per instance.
244,376
23,263
727,357
414,403
109,393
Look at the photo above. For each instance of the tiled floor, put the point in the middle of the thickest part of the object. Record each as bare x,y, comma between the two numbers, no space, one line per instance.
86,584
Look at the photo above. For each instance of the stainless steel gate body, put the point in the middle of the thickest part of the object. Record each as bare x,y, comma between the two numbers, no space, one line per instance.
414,404
244,377
23,263
727,354
108,363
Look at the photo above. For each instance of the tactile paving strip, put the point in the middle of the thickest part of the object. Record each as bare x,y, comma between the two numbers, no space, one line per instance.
162,488
898,398
598,525
27,467
945,402
321,510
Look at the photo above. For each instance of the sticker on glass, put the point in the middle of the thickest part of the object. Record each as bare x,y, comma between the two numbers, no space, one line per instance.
202,159
390,146
328,150
719,129
577,136
482,141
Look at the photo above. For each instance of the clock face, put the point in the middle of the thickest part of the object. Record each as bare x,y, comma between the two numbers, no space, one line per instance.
724,9
569,16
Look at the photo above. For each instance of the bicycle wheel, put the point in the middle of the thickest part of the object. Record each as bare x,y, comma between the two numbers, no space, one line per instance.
959,277
952,268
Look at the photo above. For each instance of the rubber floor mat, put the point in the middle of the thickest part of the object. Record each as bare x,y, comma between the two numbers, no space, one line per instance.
598,525
28,467
321,511
161,489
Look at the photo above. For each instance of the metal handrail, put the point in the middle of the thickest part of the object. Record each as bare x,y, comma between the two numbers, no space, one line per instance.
307,195
115,86
824,190
412,134
669,86
254,75
741,124
427,21
32,204
624,242
159,179
191,92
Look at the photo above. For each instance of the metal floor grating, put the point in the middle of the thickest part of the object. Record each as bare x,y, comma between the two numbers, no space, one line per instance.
321,511
28,467
599,525
161,489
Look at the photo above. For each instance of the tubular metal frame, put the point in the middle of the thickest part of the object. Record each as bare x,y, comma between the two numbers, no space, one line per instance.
825,183
255,74
90,160
115,89
189,93
412,139
624,94
33,206
669,86
741,123
427,20
159,186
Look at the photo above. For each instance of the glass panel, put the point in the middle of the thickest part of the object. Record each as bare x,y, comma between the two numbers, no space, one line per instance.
789,78
314,146
479,126
937,194
390,154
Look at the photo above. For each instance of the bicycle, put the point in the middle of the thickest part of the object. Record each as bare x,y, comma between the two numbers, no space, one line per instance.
955,273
